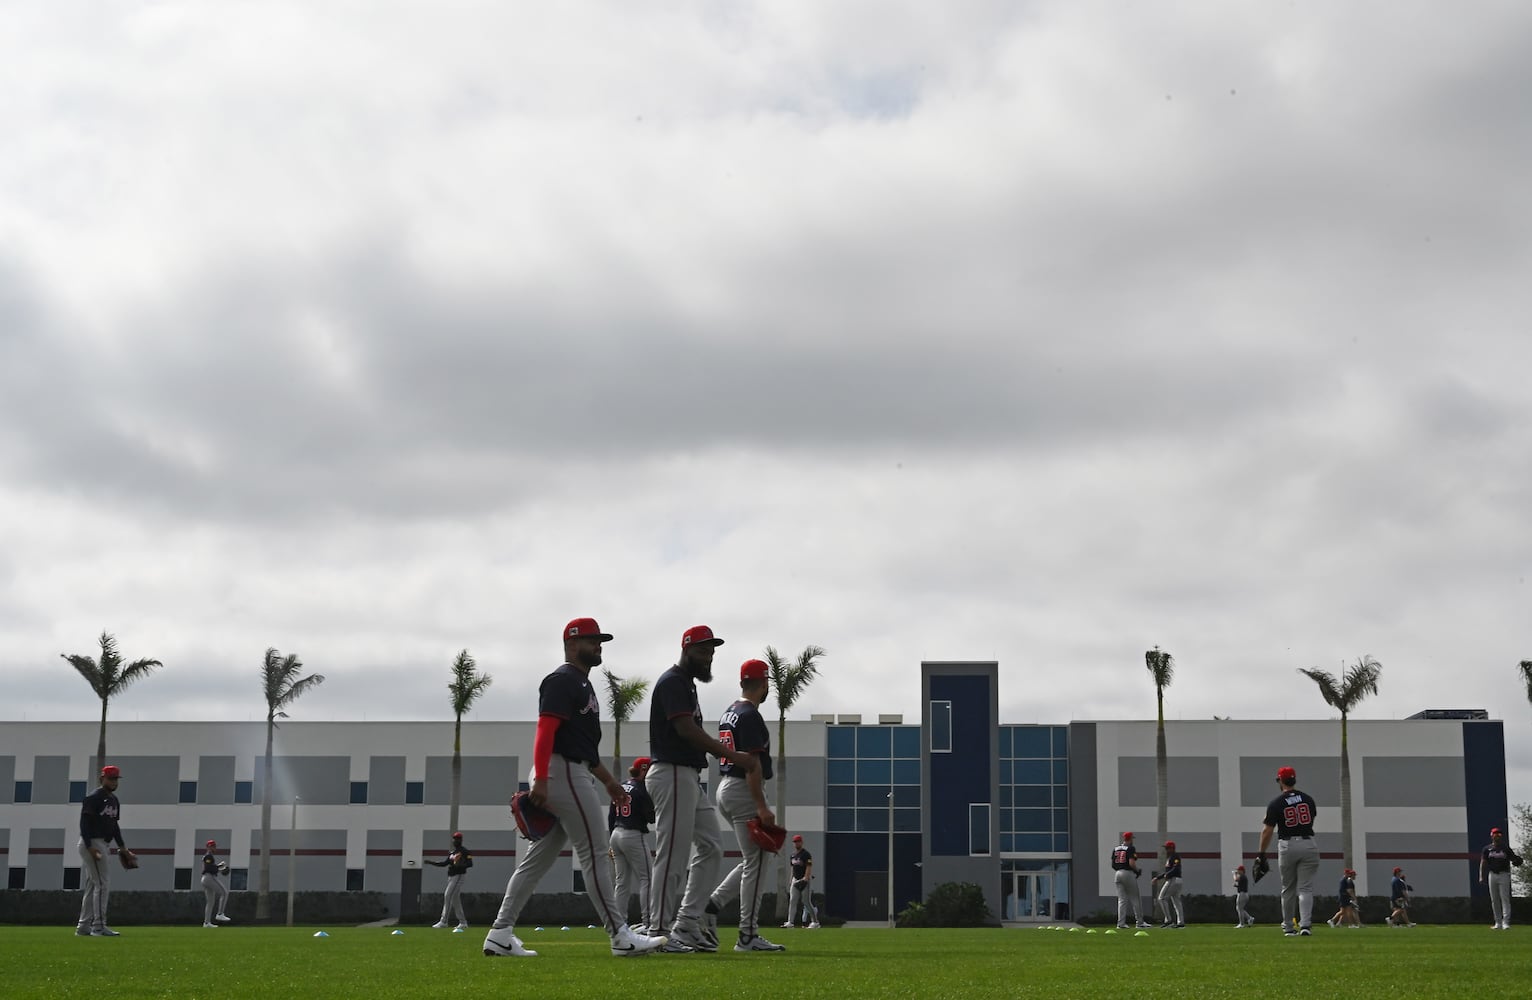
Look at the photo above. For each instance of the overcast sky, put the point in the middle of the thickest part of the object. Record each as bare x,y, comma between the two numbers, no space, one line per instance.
1038,332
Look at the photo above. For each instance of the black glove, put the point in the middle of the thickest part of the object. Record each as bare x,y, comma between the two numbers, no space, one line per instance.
1261,867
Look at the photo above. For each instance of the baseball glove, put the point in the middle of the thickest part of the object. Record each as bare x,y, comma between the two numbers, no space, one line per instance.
1259,870
128,858
532,820
223,867
769,838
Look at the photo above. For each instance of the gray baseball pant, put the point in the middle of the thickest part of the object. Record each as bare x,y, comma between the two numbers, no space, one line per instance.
217,898
1241,904
96,879
1500,897
1127,897
630,860
580,804
685,821
800,902
452,902
1298,863
1170,901
738,807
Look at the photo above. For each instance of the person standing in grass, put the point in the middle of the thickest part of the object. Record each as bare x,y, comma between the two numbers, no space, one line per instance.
1125,873
213,889
1399,898
1242,898
1495,863
457,862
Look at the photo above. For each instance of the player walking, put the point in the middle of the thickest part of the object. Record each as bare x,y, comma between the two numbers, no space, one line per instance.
566,773
99,815
1399,898
800,898
1495,863
1346,914
1125,874
685,822
741,798
1291,817
1242,898
1170,888
213,889
629,840
457,862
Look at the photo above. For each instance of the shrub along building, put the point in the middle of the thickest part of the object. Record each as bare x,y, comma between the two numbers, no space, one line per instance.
1028,813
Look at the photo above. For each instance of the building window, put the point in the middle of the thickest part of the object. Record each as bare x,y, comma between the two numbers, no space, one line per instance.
188,791
359,793
19,878
24,791
579,881
183,879
239,879
414,792
77,791
978,829
354,879
71,880
941,727
244,792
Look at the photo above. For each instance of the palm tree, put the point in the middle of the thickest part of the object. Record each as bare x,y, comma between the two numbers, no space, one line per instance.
1359,681
788,681
282,687
1526,676
108,677
622,697
1162,666
466,686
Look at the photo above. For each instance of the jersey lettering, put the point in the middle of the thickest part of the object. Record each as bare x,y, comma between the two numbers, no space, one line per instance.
726,737
1297,815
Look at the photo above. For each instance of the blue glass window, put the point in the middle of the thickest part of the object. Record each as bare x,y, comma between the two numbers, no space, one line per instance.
414,792
906,820
907,742
840,742
188,793
1061,819
1032,741
906,772
77,794
24,791
978,828
244,792
1007,842
359,793
1032,772
355,879
1032,795
1061,842
1060,796
1060,741
907,796
873,741
1061,772
941,727
1006,792
841,820
842,795
1034,819
1005,741
873,772
1034,842
872,796
1006,770
872,821
841,772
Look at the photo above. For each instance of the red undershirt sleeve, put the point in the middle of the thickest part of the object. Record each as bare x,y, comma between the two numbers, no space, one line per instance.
542,744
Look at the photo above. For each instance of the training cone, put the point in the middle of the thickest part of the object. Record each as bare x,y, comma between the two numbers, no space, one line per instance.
564,928
1141,934
1073,929
395,933
1113,931
1092,930
320,934
537,928
457,930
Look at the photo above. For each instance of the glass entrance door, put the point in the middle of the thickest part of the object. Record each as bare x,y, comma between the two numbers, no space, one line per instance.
1031,896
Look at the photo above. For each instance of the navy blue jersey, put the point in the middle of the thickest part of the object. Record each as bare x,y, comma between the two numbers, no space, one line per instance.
1123,856
675,695
1292,813
1347,890
1499,857
742,728
210,864
638,813
1173,865
99,814
1397,888
567,694
800,859
1241,882
459,861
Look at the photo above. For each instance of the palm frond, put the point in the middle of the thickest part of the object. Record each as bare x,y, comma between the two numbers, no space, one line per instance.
1361,681
1161,665
790,680
88,670
623,695
467,683
278,676
1526,676
1328,689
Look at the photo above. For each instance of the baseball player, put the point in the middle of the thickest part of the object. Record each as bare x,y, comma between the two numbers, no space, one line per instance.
1495,863
1125,874
567,775
1242,898
741,798
1170,888
1399,898
457,862
216,893
629,840
1346,914
800,897
99,816
1290,816
684,818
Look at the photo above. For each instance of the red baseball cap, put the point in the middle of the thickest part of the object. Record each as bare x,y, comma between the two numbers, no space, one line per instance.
111,771
1170,844
699,634
797,836
1239,868
457,836
212,843
1494,831
1398,871
641,763
1349,871
1286,774
585,628
753,670
1127,835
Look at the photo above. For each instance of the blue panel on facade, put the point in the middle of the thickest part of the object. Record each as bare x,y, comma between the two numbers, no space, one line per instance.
963,777
1061,772
1032,795
1484,790
1034,842
840,742
1033,819
77,794
874,741
872,820
871,772
840,772
872,796
907,742
1061,741
1005,740
1061,819
1061,796
1006,792
1006,772
1061,843
907,820
906,772
1032,741
841,819
907,796
841,796
244,791
1030,772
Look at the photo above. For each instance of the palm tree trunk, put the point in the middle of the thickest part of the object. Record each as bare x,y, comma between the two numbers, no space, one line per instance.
457,772
101,739
1345,794
263,891
1161,776
781,811
617,749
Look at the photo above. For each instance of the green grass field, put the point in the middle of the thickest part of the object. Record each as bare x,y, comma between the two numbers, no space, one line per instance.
1205,961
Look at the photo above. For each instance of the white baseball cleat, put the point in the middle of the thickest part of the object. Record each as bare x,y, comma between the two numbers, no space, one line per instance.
210,924
504,943
814,926
626,944
439,925
758,943
221,919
